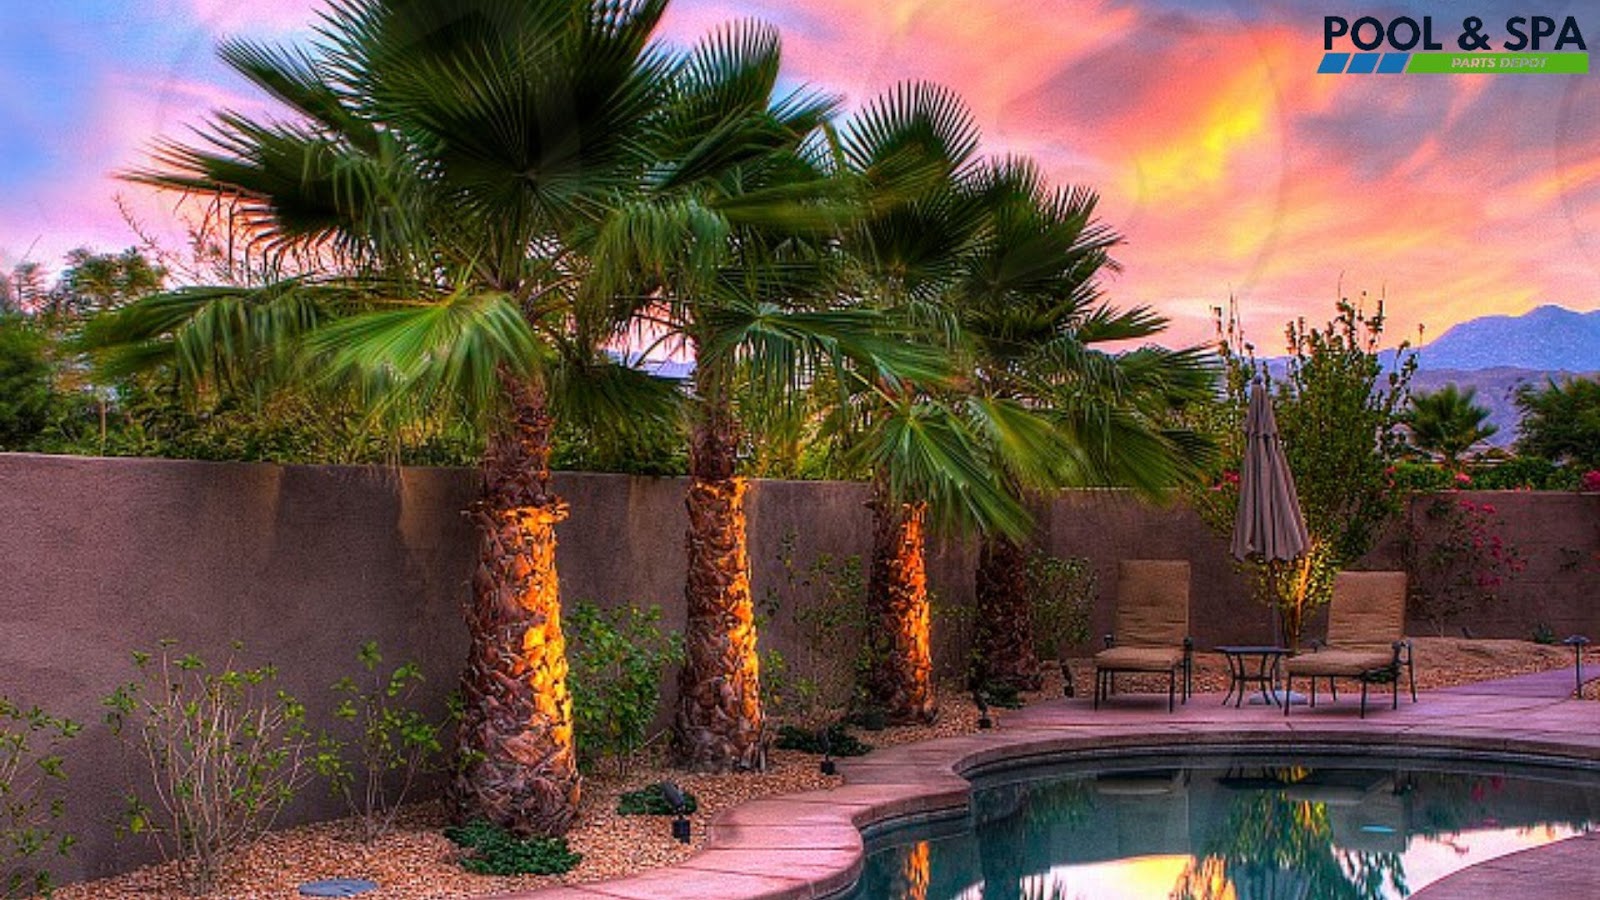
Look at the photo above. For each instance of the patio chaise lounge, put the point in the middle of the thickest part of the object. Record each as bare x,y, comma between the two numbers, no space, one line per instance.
1150,633
1366,628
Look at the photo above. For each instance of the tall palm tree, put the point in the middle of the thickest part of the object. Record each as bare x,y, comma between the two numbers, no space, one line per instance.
441,167
908,152
728,248
1031,307
1447,423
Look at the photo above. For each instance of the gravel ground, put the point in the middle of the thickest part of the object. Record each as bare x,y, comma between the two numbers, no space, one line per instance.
417,863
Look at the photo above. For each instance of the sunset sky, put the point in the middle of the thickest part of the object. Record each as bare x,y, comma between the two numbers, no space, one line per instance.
1226,161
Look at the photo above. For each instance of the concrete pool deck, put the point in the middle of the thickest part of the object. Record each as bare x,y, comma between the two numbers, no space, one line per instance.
810,845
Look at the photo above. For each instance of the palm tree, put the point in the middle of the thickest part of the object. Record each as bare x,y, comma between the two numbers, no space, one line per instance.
443,164
726,254
908,152
1447,423
1031,307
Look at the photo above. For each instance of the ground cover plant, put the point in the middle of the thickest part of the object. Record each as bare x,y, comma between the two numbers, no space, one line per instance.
651,800
492,850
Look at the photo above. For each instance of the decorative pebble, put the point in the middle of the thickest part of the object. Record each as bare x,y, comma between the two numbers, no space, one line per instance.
337,887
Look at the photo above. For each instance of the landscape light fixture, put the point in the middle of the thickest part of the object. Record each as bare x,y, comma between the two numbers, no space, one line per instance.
826,740
680,811
984,722
1577,642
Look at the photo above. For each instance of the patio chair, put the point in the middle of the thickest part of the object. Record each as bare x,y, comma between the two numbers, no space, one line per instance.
1150,632
1366,628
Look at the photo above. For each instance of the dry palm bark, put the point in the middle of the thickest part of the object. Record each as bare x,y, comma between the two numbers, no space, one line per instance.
900,677
1005,651
719,725
520,768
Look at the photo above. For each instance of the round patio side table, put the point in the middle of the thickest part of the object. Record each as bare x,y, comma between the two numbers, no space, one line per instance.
1248,665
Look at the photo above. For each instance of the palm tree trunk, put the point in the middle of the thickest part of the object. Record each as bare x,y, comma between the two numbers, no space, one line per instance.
516,727
900,678
719,725
1006,655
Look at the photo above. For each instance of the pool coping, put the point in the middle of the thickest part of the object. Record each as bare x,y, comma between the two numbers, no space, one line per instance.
811,845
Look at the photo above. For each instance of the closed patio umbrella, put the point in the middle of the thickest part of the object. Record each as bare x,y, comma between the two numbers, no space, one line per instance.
1269,525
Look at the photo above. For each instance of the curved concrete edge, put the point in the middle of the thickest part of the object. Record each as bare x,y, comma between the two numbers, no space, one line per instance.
810,845
1558,871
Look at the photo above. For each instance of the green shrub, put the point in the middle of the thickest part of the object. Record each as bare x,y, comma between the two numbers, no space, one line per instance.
491,850
1062,592
652,801
839,741
1524,473
224,753
824,603
24,382
618,659
30,770
394,743
1421,477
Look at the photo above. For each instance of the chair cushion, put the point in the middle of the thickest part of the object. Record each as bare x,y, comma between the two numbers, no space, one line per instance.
1152,602
1368,609
1339,662
1139,659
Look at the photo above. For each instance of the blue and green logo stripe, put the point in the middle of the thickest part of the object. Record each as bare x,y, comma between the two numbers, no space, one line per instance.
1454,63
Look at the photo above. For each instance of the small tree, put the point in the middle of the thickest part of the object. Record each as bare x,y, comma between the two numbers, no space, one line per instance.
1338,414
1446,423
1561,421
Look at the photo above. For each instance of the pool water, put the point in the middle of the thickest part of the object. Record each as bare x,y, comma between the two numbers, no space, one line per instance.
1238,828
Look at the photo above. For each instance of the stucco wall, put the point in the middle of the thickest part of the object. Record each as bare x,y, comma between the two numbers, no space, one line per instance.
100,557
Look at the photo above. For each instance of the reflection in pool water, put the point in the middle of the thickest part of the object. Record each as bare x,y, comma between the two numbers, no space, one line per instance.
1320,830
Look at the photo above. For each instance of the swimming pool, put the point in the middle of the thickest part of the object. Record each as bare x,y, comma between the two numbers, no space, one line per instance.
1239,826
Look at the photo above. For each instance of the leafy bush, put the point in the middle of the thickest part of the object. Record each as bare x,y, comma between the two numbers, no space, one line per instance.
839,741
24,383
1421,477
491,850
1455,558
824,603
652,801
618,659
394,744
1062,592
224,754
30,768
1524,473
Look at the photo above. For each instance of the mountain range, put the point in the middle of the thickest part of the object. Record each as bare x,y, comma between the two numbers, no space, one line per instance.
1549,338
1496,355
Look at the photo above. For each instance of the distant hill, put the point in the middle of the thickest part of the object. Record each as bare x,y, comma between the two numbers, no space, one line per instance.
1549,338
1498,354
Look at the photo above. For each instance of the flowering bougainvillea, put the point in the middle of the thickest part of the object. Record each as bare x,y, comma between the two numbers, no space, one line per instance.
1456,558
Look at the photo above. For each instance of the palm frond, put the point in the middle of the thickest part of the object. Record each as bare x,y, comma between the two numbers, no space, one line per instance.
421,354
923,450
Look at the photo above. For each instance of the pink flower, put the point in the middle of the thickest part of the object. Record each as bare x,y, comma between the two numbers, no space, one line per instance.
1463,478
1591,481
